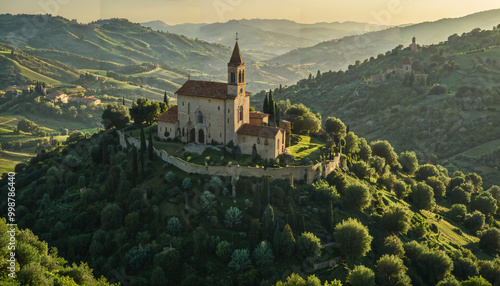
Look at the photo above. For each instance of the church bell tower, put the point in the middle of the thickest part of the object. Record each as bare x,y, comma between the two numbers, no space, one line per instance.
236,73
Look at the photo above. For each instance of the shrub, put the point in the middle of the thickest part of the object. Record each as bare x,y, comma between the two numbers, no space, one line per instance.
232,218
361,276
170,177
240,260
186,183
423,197
490,241
485,203
401,189
457,212
308,245
392,271
357,196
396,219
474,221
353,237
263,254
323,191
174,226
224,250
393,246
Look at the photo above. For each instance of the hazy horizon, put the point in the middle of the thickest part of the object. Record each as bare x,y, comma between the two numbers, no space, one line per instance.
172,12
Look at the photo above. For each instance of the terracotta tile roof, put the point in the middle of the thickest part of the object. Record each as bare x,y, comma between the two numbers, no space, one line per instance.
56,95
203,88
236,56
258,130
170,115
258,114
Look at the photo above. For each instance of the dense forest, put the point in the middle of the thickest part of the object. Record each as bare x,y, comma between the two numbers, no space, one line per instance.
380,218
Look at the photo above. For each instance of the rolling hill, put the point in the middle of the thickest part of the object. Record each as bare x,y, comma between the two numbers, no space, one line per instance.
268,36
453,119
339,53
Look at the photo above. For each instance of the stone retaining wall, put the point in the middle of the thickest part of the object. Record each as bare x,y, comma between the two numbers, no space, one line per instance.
307,173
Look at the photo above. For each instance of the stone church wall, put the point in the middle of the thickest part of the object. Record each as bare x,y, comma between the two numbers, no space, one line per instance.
307,173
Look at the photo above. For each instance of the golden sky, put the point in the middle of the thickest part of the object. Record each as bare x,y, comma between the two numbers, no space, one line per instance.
385,12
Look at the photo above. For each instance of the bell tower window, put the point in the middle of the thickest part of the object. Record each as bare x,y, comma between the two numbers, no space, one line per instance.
200,117
233,77
239,77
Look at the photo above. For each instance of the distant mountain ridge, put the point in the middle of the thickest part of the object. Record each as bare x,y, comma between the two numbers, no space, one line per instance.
266,35
338,54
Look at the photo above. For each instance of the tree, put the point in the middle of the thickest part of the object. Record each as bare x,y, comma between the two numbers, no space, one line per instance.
352,142
423,197
256,209
151,153
232,218
115,115
384,149
476,180
312,280
287,242
490,241
361,276
396,219
437,186
459,195
365,151
207,201
485,203
392,271
449,281
111,216
186,183
143,141
263,254
174,226
357,196
323,191
353,237
308,245
240,260
268,221
265,107
75,136
165,99
307,123
476,281
393,246
401,189
145,111
335,127
28,126
434,265
465,267
457,212
490,270
474,221
255,155
409,162
224,250
425,171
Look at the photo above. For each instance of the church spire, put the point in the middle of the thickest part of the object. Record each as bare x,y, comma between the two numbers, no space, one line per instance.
236,56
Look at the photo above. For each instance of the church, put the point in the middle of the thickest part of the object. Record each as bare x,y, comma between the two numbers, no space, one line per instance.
210,112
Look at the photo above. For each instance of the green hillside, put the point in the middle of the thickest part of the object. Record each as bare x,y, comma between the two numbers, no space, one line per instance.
456,111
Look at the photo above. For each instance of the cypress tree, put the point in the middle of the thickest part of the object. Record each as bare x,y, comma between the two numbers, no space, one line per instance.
276,240
287,242
269,222
134,161
303,224
330,223
265,108
256,205
254,153
123,100
150,147
265,191
291,215
165,99
143,141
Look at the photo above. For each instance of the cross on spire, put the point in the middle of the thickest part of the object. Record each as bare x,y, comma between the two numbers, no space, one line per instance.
237,36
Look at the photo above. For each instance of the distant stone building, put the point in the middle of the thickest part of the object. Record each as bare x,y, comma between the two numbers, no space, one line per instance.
216,112
413,45
57,96
399,74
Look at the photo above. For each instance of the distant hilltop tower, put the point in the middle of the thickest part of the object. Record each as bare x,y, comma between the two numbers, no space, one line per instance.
413,45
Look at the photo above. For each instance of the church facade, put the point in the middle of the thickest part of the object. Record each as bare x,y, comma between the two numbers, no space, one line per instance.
215,112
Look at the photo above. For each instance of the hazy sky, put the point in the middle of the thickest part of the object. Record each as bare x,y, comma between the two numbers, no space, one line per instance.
387,12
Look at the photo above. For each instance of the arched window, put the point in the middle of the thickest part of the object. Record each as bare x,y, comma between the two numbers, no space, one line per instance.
239,77
243,77
183,132
241,113
243,139
200,117
233,77
278,146
266,142
189,109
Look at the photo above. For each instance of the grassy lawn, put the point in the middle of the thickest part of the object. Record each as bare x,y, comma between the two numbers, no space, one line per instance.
8,160
307,147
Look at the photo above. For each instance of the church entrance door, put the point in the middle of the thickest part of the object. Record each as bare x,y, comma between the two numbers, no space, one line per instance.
192,135
201,136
